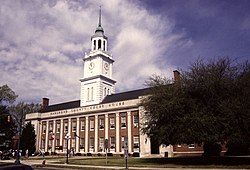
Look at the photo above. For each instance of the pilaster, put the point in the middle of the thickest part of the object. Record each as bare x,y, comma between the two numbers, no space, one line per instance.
96,133
77,133
87,134
47,136
129,132
117,133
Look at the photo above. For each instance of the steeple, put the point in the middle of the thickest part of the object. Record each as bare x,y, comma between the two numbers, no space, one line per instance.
100,17
99,28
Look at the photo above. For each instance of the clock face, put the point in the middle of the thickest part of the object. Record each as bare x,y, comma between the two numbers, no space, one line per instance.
106,66
91,65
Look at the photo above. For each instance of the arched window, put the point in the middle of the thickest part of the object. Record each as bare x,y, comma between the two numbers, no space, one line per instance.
104,47
94,44
99,44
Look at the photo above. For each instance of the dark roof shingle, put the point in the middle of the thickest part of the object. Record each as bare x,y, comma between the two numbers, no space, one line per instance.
108,99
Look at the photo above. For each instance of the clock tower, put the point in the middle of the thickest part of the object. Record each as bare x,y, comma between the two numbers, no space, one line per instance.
97,79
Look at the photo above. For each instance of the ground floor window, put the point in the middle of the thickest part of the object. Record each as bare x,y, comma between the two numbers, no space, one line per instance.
112,144
136,144
82,143
91,144
101,144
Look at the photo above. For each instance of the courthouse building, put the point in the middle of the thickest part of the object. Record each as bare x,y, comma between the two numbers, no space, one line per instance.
99,114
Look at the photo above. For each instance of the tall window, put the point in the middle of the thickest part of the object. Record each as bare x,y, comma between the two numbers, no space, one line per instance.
136,120
66,127
104,47
99,44
101,144
92,125
65,143
73,140
82,125
57,142
94,44
57,127
108,92
123,121
50,127
91,143
104,91
82,143
136,143
112,142
112,122
44,128
101,123
73,126
43,143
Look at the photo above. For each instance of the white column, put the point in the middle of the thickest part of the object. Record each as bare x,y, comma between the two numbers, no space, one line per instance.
117,133
106,126
96,133
54,135
129,132
86,134
39,135
61,133
77,133
69,132
47,136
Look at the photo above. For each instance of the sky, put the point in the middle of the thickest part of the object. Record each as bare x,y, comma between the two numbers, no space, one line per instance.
42,42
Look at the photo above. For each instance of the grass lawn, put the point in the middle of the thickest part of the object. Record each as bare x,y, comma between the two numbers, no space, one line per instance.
190,162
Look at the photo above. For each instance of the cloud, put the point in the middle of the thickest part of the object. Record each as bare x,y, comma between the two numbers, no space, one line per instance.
43,42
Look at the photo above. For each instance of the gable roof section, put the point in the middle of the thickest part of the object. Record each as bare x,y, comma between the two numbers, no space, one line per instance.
129,95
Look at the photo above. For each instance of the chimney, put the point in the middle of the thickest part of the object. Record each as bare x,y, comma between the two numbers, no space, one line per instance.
177,76
45,103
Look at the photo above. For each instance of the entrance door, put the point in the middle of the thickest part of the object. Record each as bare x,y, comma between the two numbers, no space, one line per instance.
154,146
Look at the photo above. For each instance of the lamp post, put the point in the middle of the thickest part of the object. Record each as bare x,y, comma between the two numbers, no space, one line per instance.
67,137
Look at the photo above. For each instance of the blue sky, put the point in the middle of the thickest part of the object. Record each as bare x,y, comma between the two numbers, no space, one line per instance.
42,43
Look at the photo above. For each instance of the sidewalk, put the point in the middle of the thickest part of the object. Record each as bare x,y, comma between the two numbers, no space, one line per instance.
51,163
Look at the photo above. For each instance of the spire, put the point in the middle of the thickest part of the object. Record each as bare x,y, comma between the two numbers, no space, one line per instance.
99,29
100,17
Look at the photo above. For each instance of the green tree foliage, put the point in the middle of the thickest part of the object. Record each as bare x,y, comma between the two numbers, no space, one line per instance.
7,129
28,139
209,105
7,125
7,95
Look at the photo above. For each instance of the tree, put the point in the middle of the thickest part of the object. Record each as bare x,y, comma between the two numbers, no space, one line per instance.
7,95
7,125
209,106
28,139
7,129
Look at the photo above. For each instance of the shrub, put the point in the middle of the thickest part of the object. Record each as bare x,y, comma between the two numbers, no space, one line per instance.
109,154
89,154
136,154
78,154
46,153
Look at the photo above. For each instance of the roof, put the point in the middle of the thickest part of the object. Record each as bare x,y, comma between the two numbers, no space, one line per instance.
129,95
62,106
125,95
